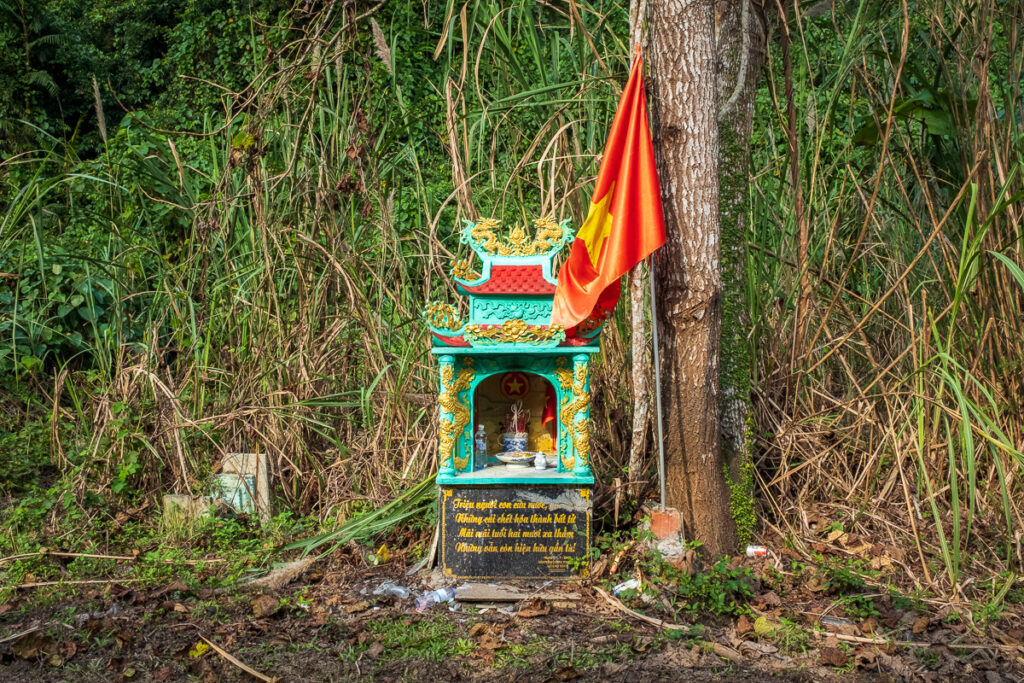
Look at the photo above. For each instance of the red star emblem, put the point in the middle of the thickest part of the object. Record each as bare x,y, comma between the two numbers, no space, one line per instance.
514,385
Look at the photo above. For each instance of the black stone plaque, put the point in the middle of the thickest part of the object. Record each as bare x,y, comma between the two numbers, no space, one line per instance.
514,532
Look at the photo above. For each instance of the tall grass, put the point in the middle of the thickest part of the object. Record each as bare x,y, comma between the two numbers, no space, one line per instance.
281,255
904,423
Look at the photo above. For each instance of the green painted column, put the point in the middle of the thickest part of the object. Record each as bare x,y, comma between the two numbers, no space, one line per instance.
581,421
446,418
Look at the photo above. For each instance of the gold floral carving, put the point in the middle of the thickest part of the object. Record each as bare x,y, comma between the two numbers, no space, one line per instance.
443,316
464,271
514,330
451,427
575,401
548,235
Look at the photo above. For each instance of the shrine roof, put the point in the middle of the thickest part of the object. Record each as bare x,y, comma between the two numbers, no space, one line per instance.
526,279
511,297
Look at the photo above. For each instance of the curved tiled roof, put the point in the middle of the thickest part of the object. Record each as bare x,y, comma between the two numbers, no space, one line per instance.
525,279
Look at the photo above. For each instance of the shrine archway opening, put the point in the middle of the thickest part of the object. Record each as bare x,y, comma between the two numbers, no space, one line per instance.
495,404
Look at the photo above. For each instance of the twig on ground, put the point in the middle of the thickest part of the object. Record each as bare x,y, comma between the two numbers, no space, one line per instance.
28,631
92,556
15,636
919,643
79,582
241,665
617,604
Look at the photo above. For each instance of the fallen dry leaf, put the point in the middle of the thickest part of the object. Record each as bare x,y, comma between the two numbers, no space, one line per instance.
881,562
920,625
866,660
122,638
358,607
489,642
755,650
833,656
32,645
265,606
68,649
375,650
566,673
744,625
537,608
163,674
836,535
477,629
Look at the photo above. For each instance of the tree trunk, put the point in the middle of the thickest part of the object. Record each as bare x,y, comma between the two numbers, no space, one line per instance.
684,107
638,324
741,50
640,372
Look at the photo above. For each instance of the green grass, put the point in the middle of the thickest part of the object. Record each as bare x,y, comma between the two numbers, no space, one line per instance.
432,638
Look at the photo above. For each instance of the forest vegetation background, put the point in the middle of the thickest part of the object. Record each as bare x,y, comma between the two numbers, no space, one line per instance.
221,220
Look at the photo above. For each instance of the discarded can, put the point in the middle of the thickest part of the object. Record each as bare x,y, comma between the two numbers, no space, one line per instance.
632,584
757,551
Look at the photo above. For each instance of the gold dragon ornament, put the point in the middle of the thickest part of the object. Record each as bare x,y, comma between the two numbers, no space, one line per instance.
547,236
443,316
451,427
464,271
575,401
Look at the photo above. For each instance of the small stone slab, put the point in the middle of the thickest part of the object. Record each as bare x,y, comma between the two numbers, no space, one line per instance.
496,592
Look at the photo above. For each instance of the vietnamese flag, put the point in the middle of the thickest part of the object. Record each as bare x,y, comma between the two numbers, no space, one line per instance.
624,224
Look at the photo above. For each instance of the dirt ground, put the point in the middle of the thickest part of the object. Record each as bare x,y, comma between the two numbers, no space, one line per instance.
327,625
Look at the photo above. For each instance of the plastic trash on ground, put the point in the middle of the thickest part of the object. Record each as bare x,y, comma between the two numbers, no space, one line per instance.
632,584
390,588
429,599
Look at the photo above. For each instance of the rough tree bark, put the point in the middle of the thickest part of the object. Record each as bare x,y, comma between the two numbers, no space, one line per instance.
740,47
683,101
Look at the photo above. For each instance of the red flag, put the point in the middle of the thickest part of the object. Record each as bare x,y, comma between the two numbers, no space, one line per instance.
624,224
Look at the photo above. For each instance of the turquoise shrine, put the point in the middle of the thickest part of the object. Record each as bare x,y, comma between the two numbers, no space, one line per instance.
509,330
507,353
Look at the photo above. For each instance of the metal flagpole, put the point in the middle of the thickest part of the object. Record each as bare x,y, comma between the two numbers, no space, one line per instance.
657,383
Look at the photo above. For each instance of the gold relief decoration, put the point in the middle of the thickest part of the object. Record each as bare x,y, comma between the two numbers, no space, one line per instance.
575,401
464,271
514,330
451,427
548,236
443,316
483,233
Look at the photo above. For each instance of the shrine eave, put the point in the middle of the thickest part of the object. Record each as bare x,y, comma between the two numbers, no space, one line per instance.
503,475
499,350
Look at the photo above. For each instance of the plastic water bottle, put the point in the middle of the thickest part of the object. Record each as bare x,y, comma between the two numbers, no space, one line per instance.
480,448
428,600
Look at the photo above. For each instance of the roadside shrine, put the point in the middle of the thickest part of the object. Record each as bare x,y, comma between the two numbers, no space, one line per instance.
513,389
